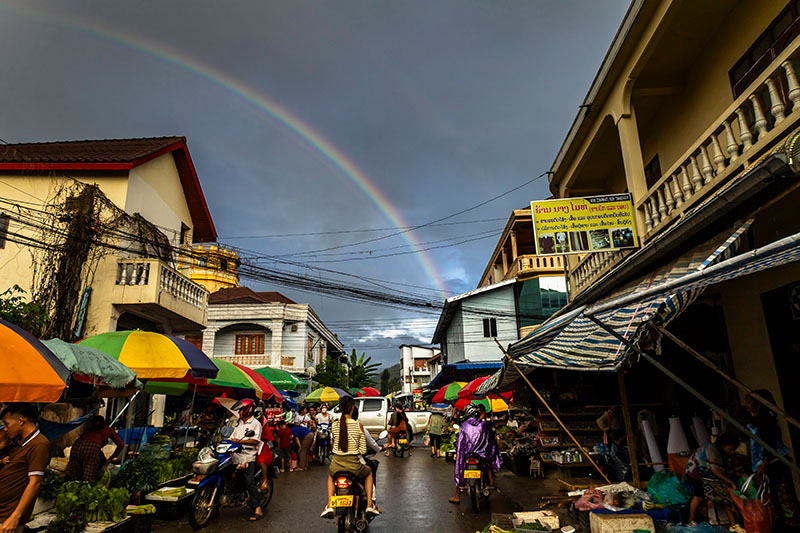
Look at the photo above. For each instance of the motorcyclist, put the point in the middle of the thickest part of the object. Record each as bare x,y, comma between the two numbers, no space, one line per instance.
247,433
373,465
476,436
397,422
348,443
323,417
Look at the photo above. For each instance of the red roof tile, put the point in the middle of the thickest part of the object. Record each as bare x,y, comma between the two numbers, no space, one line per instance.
116,154
246,295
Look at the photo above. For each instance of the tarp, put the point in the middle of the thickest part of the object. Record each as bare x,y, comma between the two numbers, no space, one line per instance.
581,344
53,430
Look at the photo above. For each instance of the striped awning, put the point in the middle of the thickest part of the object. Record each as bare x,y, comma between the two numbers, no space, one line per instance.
573,341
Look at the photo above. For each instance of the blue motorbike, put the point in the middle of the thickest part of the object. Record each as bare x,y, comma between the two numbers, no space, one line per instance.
323,450
219,483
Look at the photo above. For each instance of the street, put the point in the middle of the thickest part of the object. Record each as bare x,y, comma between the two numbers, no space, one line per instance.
412,492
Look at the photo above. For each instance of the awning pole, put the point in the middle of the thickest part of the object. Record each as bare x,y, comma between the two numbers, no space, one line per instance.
129,426
571,436
710,364
189,418
694,393
626,414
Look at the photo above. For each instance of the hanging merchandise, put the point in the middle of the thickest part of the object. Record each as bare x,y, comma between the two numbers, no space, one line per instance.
652,446
676,442
700,431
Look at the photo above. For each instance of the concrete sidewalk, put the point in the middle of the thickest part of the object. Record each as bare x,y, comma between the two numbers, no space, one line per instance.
528,493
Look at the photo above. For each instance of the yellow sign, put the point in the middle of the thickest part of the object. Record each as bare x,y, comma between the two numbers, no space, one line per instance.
584,225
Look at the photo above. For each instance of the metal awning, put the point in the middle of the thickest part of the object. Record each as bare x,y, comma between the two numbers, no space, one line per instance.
574,341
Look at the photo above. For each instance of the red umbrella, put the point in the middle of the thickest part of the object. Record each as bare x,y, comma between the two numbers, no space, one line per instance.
270,392
448,393
369,391
471,387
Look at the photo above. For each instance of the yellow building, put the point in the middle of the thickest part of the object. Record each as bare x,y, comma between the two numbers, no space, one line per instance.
125,212
214,267
695,112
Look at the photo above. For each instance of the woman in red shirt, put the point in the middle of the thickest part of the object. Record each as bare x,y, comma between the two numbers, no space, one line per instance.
86,457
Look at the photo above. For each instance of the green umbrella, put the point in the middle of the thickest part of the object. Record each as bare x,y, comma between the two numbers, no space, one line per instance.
281,379
90,363
229,376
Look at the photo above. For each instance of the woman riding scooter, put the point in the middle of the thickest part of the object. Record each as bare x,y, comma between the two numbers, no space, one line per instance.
398,422
348,443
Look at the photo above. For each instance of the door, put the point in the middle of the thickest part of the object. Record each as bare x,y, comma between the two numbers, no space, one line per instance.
372,415
782,313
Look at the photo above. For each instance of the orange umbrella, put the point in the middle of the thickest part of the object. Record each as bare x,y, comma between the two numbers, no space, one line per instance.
31,372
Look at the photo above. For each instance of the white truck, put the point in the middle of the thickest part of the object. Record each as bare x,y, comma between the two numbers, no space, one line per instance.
374,413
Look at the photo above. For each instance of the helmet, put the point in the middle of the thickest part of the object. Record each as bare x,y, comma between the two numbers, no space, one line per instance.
474,411
246,408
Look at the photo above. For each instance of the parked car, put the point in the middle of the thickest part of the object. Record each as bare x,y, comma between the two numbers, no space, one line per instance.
374,413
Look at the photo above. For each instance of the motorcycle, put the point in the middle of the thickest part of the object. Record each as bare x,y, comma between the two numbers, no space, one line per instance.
323,449
219,483
401,444
475,473
350,498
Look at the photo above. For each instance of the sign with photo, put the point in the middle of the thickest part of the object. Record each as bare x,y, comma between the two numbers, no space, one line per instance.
584,225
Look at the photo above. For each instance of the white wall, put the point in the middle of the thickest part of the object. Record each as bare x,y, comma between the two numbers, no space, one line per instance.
465,335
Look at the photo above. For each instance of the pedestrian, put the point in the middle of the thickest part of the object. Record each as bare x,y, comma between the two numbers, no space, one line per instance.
435,429
302,418
86,457
265,456
285,438
706,468
21,476
304,438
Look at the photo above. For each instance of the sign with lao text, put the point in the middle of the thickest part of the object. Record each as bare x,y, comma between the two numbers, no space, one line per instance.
584,225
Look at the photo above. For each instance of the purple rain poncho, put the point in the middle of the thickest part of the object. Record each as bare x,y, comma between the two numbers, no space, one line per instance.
478,437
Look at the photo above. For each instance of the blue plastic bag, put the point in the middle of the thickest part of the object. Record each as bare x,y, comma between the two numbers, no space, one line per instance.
666,488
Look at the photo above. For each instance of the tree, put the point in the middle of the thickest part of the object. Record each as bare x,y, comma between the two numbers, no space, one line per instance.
331,374
29,316
362,371
386,377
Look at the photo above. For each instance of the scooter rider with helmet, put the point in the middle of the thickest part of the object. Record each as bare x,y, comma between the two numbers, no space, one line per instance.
247,433
476,436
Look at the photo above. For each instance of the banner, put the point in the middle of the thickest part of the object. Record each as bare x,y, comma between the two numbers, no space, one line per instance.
584,225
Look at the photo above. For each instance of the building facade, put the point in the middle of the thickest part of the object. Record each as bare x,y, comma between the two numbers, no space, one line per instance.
695,112
213,266
142,197
415,370
259,329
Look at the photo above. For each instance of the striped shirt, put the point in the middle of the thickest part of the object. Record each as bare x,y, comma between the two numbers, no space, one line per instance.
356,443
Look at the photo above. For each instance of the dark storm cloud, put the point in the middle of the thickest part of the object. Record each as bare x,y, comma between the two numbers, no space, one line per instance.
442,104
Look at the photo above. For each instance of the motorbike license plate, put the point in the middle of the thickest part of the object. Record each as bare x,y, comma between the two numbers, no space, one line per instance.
472,474
342,501
403,441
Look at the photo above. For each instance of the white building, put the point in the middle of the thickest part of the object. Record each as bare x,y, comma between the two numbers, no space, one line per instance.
415,371
258,329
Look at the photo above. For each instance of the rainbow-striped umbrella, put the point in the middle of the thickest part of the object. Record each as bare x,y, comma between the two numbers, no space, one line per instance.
155,355
448,393
268,391
31,372
326,394
492,403
281,379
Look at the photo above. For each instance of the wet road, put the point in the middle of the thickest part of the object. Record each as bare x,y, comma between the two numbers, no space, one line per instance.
412,492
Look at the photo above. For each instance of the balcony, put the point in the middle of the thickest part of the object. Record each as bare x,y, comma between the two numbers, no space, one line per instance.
251,360
533,264
156,290
751,125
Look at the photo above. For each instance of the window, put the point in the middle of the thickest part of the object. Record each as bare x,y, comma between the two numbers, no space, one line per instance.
371,406
321,353
652,172
223,264
769,44
184,234
490,327
249,344
202,262
196,339
4,220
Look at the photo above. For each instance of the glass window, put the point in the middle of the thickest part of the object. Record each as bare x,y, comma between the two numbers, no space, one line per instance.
371,406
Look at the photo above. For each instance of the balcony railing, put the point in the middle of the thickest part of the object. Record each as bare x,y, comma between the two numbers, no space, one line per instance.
590,267
253,360
153,282
752,123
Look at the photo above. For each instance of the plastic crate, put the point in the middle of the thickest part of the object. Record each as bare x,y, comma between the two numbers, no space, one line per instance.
450,456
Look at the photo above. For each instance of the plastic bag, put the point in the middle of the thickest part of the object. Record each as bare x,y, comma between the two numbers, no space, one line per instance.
427,440
666,488
756,512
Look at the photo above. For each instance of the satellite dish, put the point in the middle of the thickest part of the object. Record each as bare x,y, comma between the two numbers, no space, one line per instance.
311,371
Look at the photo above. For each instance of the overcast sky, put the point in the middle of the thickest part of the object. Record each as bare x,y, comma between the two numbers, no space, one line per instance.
441,104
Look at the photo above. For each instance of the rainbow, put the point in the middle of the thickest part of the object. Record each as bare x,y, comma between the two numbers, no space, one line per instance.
215,75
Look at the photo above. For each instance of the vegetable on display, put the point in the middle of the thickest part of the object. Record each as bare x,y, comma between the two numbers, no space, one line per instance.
92,502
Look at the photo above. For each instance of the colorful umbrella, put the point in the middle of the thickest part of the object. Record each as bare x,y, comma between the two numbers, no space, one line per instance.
269,392
448,393
31,372
154,355
365,391
91,366
281,379
326,394
493,403
470,388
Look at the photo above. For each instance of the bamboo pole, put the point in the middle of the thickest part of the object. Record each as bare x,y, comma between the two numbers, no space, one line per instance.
710,364
626,414
547,405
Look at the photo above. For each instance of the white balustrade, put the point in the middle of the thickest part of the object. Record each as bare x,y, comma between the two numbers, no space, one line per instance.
132,272
739,134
